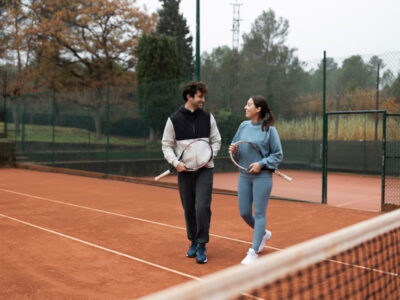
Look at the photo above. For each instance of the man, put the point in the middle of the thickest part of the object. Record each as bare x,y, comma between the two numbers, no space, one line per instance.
187,123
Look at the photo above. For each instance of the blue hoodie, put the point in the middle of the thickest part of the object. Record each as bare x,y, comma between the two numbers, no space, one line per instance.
268,142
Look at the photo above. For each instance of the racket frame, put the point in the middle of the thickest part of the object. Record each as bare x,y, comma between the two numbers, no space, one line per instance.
284,176
170,170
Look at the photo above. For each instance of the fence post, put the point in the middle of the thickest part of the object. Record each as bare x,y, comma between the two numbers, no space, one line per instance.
383,160
377,102
324,134
198,40
53,134
5,103
108,128
23,125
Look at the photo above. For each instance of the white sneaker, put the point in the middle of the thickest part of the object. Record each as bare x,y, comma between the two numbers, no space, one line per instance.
266,237
250,258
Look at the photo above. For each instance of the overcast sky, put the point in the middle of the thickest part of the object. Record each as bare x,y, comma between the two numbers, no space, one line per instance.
341,27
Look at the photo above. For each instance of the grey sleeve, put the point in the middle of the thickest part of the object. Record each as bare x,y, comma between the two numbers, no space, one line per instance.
215,137
168,143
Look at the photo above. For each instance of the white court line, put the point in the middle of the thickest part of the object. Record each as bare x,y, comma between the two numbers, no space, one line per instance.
344,205
103,248
115,252
152,222
125,216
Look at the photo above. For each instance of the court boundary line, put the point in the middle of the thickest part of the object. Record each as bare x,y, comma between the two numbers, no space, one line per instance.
136,180
125,216
45,168
156,223
103,248
167,225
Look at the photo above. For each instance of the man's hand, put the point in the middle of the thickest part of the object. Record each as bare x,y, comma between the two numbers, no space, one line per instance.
181,167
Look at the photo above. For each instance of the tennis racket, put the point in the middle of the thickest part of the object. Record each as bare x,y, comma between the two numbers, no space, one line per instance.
197,154
254,155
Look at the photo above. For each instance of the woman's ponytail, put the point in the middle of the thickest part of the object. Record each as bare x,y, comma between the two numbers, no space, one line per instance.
265,113
268,121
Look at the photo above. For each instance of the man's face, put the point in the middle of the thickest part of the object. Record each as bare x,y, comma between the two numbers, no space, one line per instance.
196,101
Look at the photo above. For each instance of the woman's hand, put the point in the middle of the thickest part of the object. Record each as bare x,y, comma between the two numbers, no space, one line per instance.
233,148
254,168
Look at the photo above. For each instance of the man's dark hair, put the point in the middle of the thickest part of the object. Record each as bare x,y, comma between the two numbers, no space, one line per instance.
192,87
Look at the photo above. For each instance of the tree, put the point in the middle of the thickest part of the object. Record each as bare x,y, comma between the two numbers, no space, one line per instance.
395,89
216,68
3,40
332,73
356,74
157,69
173,24
97,39
268,66
92,44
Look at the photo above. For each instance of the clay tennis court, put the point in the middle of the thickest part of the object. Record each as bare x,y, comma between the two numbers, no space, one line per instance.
74,237
357,191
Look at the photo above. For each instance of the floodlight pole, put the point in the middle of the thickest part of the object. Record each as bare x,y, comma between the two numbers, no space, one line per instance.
198,40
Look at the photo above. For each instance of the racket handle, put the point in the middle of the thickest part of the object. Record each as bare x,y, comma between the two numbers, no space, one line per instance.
162,175
284,176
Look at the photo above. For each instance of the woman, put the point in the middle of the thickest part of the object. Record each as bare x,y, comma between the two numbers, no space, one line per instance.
254,186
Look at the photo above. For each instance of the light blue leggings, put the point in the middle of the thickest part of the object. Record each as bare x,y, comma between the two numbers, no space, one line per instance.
254,189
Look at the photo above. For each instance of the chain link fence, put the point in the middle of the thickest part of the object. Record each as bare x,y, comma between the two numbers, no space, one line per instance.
117,130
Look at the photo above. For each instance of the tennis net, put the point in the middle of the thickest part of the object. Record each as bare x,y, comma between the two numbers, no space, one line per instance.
358,262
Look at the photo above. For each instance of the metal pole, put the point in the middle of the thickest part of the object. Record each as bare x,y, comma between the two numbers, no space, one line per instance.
5,103
377,103
383,160
88,120
108,128
23,125
324,134
197,40
53,134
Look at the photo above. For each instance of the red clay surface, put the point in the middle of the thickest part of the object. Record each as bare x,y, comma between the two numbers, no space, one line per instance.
72,237
344,190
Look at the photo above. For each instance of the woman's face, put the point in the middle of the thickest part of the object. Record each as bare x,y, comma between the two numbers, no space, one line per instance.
251,110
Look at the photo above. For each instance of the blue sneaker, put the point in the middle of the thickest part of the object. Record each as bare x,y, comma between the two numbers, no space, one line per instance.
192,250
201,254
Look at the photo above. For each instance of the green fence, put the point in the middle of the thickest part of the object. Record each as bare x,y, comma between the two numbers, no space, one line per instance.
366,143
392,170
117,130
356,143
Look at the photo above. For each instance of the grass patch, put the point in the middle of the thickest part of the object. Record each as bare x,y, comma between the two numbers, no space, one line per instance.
44,133
340,127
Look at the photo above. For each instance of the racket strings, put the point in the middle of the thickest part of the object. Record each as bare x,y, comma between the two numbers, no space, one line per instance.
197,154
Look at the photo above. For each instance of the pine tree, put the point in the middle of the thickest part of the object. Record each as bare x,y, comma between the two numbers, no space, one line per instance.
173,24
158,90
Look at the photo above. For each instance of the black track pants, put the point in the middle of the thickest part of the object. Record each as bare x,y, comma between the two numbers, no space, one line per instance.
195,189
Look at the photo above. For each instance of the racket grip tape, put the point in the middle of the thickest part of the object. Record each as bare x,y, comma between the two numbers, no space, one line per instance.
162,175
